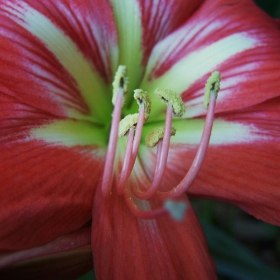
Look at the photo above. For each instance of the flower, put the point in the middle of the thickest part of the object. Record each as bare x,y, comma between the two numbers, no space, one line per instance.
58,61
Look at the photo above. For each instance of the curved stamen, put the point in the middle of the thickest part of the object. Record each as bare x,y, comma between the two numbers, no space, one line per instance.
132,149
138,132
161,160
175,209
120,85
111,151
199,157
139,213
126,162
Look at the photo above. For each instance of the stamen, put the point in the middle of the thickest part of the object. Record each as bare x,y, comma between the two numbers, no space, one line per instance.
170,97
130,156
144,102
120,84
126,162
139,213
142,97
120,81
204,142
126,123
162,153
176,106
212,84
155,136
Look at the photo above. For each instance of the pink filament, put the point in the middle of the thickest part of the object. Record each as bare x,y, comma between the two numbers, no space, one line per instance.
127,161
162,154
111,151
199,157
132,147
139,213
150,189
194,169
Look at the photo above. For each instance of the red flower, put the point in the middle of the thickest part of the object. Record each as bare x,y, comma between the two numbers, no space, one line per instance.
58,59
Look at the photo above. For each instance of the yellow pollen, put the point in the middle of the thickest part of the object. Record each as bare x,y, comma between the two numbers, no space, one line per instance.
142,97
126,123
155,135
171,97
212,85
120,82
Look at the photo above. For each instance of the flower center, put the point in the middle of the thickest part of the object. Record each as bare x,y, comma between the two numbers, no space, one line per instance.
131,127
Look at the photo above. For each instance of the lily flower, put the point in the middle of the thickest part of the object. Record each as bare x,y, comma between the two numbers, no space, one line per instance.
63,164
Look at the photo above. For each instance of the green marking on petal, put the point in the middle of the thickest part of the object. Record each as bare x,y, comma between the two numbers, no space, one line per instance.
128,19
186,71
70,133
90,84
189,132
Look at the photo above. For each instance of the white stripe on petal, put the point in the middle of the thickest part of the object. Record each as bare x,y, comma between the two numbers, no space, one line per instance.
66,51
195,65
69,133
189,132
128,19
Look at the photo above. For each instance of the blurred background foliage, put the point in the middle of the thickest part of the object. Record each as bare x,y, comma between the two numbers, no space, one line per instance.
243,248
272,7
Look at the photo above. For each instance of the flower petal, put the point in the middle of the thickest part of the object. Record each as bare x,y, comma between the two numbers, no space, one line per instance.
242,162
46,159
125,247
237,39
47,191
65,55
141,24
71,241
60,266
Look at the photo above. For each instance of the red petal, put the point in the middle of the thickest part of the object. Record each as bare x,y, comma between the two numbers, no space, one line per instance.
92,29
46,187
46,191
35,61
244,172
71,241
237,39
160,18
60,266
125,247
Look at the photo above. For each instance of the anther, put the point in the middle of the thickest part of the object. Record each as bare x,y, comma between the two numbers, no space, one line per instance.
170,97
212,85
142,97
120,82
155,135
126,123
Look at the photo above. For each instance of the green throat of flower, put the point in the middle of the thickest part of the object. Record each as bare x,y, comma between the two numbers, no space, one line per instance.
131,127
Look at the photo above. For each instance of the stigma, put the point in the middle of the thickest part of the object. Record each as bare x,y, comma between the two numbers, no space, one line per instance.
131,127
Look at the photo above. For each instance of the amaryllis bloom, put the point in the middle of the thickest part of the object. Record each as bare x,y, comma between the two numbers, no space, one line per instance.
58,62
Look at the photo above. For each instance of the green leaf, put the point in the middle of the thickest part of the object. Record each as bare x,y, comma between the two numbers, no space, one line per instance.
89,276
234,260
